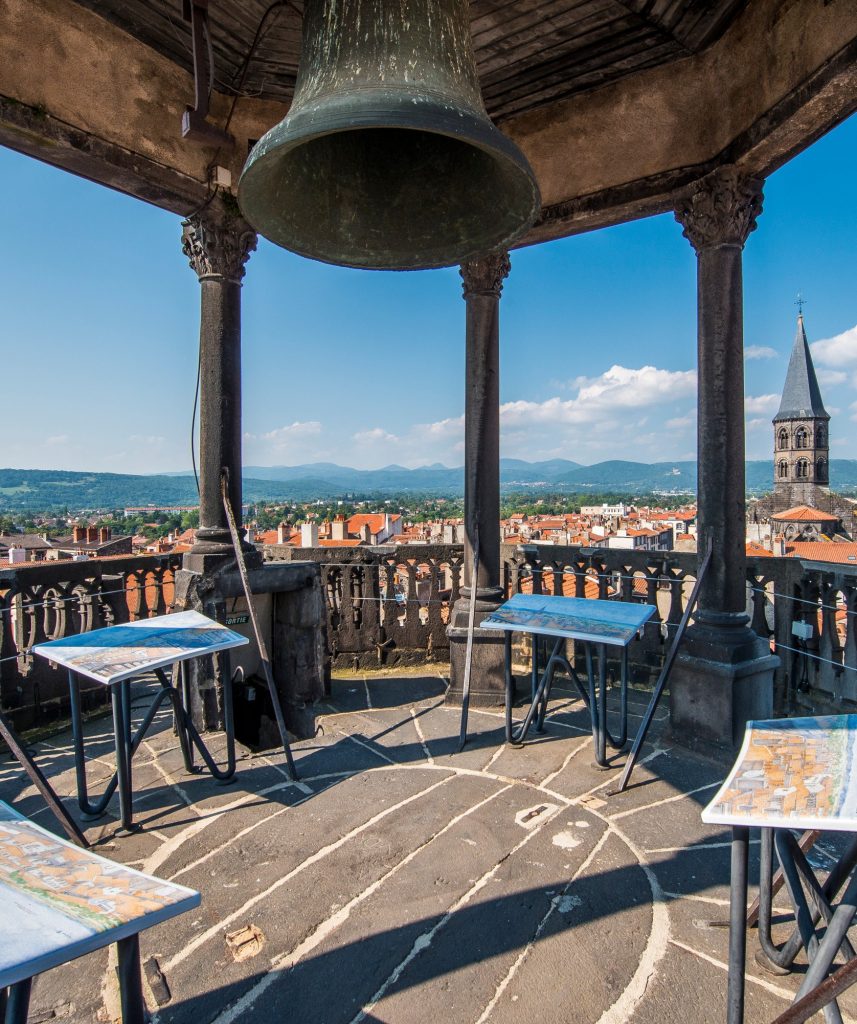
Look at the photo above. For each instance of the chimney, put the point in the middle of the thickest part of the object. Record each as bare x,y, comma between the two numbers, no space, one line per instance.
448,533
365,534
337,528
92,534
78,534
17,556
309,535
282,534
778,546
103,534
251,535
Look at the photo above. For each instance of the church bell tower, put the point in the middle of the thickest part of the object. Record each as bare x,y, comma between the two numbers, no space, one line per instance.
801,435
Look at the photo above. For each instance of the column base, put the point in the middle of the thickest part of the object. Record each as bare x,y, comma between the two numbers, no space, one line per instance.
722,679
210,555
487,670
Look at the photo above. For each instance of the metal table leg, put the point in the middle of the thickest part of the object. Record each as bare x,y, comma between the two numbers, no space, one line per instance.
821,954
18,1002
737,925
601,740
89,808
538,706
130,985
189,737
121,694
510,682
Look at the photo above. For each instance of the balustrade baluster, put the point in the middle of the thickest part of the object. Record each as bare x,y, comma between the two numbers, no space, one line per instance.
849,653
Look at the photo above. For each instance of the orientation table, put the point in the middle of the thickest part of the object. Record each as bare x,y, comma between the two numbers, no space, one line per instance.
60,902
595,623
115,655
792,774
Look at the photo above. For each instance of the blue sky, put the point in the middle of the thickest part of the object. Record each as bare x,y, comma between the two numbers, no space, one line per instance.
100,329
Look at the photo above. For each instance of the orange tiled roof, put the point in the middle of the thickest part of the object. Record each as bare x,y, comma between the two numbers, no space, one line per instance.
844,552
757,550
805,513
374,520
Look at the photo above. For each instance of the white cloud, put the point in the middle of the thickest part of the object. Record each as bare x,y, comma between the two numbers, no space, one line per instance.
601,398
840,350
452,427
760,352
374,436
678,422
284,434
831,377
853,409
761,403
757,424
57,439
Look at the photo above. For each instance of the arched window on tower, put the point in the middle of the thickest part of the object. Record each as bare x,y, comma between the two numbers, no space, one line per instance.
820,437
802,469
783,470
821,471
783,439
801,438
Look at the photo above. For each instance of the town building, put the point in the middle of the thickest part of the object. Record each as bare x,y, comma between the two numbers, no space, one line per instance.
801,505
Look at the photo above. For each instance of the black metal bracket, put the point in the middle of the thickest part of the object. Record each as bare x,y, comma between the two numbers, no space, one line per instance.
195,124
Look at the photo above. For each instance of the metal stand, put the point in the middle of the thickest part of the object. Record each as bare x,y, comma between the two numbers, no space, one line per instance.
38,779
812,902
737,925
15,1001
593,695
127,743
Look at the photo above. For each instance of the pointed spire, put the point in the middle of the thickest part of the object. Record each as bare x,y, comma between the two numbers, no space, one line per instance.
801,395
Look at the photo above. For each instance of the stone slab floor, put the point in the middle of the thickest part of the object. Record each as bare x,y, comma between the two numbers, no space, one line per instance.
400,881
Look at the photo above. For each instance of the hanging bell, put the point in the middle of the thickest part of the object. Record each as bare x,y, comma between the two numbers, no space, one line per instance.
387,159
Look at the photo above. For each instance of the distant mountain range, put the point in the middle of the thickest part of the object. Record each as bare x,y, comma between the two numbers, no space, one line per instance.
39,489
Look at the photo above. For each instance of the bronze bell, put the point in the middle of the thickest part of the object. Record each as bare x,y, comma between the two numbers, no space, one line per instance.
387,158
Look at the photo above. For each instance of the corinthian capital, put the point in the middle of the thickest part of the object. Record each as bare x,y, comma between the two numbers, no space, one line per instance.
720,209
217,247
485,274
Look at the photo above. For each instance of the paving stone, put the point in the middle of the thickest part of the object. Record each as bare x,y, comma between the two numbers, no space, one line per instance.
401,881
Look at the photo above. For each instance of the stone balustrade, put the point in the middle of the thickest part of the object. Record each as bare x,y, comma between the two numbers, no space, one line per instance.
389,606
49,600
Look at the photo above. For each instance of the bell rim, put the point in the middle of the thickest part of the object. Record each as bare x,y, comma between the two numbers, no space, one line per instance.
320,119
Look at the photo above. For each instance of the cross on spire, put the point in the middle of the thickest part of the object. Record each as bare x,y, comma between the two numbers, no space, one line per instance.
800,302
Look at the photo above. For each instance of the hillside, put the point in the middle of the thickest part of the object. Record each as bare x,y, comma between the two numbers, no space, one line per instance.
37,489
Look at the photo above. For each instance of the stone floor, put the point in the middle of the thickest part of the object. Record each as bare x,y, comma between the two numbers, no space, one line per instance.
399,881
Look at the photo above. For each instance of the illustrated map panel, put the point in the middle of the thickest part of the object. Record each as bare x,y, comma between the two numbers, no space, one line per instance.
59,901
579,618
792,772
120,652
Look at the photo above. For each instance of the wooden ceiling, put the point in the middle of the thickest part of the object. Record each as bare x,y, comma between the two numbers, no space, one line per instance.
529,52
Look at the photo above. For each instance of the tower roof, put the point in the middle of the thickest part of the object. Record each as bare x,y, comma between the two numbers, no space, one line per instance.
801,396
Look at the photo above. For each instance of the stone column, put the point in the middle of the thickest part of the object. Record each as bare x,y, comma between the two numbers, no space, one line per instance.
483,282
217,247
724,675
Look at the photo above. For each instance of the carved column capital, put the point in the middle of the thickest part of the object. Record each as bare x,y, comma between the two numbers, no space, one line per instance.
217,247
485,274
720,209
